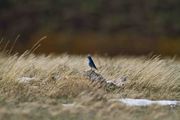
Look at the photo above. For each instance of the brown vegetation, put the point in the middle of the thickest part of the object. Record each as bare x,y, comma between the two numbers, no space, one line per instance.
58,90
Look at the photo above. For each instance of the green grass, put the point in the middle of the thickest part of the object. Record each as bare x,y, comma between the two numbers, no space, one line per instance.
59,80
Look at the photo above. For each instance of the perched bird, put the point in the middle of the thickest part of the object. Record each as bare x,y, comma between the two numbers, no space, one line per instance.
91,63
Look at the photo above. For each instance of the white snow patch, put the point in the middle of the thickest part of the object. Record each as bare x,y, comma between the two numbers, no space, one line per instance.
146,102
25,79
70,105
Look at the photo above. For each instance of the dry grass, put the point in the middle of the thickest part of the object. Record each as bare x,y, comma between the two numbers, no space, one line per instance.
58,80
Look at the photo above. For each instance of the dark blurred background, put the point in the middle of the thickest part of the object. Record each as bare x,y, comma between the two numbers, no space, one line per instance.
113,27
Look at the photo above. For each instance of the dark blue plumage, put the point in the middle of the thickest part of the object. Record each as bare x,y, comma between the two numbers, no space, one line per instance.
91,62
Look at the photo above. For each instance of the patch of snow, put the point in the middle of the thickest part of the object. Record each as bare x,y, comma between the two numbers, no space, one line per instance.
165,102
146,102
25,79
69,105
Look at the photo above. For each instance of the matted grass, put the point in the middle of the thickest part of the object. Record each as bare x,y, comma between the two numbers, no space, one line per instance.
60,91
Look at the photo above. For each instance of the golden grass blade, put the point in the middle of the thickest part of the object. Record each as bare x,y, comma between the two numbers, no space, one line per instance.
14,43
35,48
5,47
36,44
1,41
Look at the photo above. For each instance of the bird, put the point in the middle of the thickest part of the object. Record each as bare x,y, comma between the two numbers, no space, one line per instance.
91,62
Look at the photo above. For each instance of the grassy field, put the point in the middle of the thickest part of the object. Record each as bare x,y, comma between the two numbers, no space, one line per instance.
58,90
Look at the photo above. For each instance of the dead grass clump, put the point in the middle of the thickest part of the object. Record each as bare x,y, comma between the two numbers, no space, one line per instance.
69,87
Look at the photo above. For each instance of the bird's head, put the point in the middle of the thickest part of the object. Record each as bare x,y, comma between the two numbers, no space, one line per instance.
89,56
